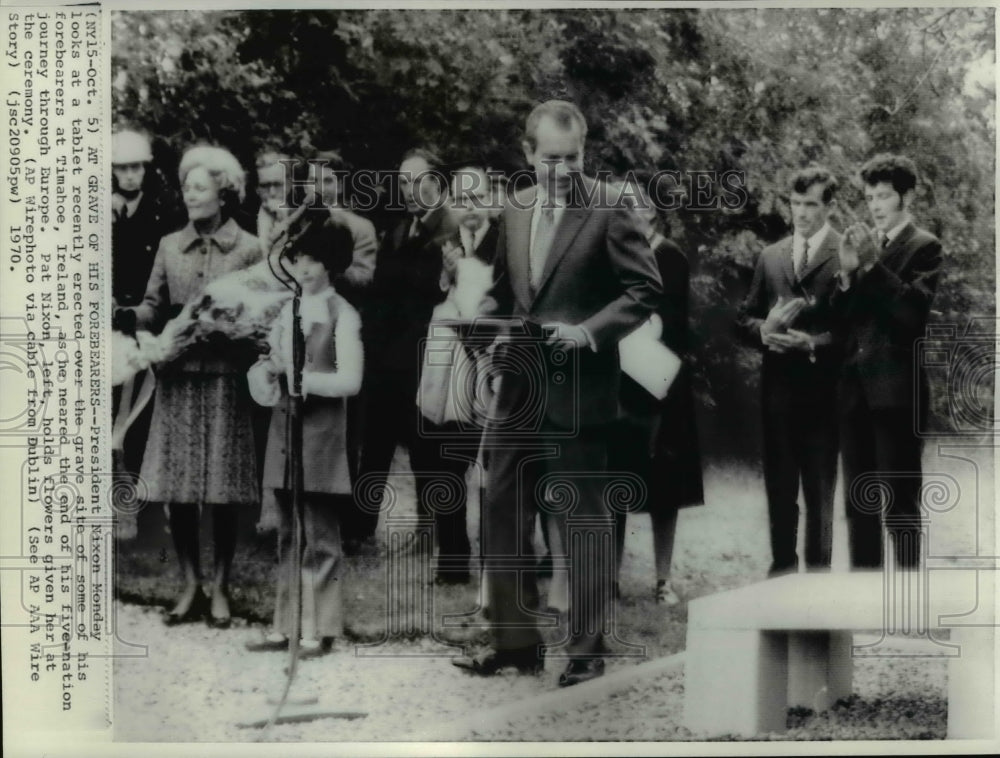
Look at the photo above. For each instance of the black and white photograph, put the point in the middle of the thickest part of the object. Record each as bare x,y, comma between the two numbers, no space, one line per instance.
573,374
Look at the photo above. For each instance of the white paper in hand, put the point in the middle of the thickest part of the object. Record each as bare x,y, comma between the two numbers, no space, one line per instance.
647,360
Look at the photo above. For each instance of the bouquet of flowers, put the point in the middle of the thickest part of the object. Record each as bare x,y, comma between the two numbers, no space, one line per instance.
238,307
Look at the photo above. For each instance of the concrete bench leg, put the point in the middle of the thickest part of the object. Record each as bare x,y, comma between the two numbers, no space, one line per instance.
820,668
735,682
971,709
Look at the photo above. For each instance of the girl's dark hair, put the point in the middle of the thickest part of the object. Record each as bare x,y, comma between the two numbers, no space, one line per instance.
324,240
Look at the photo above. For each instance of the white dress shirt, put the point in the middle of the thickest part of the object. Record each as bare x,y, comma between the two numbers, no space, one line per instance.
799,246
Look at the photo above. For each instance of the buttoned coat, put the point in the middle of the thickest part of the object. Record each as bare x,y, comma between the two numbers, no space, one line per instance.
881,317
200,447
788,376
599,273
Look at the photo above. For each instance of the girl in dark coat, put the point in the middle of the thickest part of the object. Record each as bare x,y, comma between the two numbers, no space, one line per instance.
657,440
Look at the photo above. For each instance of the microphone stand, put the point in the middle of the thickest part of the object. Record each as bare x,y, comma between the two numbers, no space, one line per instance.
295,480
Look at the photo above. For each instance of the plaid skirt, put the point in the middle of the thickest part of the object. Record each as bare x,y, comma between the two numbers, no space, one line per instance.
201,445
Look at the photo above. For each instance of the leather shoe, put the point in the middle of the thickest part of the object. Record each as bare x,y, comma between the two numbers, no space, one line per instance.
219,622
665,594
196,611
581,670
490,662
306,652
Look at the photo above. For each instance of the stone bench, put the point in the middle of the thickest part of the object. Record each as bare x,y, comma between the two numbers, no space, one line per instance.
754,652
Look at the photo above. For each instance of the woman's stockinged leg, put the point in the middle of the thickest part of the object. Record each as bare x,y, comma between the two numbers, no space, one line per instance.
184,519
225,523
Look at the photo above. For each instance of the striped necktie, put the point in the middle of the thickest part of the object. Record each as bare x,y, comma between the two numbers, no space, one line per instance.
802,260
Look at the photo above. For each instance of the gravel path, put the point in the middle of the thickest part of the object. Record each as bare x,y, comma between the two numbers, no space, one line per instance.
196,684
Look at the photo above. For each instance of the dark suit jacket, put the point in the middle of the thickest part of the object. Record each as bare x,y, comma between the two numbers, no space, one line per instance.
404,291
674,475
599,273
134,242
882,315
791,376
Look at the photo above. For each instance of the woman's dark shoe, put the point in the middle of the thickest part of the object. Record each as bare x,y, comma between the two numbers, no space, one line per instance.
197,610
665,594
224,619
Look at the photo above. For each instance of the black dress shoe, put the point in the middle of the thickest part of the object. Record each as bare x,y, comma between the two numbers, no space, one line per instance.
581,670
219,622
196,611
781,569
490,662
307,652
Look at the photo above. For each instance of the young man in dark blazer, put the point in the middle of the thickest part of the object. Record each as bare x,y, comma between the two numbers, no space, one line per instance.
787,314
888,278
579,277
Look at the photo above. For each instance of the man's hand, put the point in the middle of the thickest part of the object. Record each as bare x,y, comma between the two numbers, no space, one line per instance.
565,336
772,343
781,316
793,339
858,248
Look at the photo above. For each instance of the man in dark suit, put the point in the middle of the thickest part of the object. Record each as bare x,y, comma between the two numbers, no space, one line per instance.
579,277
787,315
888,277
406,287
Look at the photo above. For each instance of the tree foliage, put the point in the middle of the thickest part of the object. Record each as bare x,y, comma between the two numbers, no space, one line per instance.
760,91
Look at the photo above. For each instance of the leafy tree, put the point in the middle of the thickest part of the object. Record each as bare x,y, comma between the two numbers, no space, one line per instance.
758,91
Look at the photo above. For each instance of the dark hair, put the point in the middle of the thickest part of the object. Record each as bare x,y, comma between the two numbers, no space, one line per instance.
811,175
563,112
897,170
332,159
324,240
466,167
435,166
